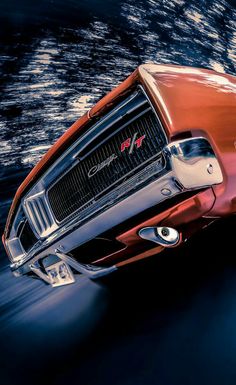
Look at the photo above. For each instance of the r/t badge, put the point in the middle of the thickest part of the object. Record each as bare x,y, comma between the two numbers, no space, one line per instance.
131,143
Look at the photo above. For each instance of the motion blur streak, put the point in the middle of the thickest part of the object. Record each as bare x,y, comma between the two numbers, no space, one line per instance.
170,320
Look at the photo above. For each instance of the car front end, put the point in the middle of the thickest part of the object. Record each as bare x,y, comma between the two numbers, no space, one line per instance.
145,168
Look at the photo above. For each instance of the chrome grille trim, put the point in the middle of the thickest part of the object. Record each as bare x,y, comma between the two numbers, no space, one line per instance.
39,215
74,191
94,207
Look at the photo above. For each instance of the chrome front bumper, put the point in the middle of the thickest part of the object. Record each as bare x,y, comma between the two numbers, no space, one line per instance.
193,165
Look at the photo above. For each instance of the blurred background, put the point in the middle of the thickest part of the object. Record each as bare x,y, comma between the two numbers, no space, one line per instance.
168,321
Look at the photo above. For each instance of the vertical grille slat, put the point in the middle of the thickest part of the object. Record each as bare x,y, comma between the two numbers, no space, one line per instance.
40,217
75,190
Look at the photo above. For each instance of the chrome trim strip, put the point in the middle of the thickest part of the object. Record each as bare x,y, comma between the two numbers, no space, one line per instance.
114,132
108,116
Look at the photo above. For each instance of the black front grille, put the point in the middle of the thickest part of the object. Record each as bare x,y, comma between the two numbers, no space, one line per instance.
107,166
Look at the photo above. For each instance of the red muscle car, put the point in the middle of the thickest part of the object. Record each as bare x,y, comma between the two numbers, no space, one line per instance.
150,164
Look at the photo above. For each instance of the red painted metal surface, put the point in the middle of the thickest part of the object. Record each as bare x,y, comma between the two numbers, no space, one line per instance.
189,212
